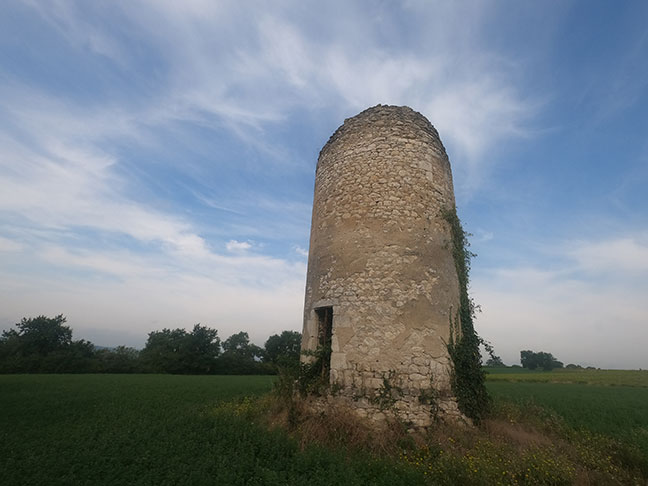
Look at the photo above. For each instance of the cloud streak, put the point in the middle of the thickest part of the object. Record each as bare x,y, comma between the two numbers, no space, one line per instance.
600,322
249,70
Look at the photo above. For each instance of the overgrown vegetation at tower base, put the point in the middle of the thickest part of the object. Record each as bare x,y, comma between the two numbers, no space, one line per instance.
468,378
518,443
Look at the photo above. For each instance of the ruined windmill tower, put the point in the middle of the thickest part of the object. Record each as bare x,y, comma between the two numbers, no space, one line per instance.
382,286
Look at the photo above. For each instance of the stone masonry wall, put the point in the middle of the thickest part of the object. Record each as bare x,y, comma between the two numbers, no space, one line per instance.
380,256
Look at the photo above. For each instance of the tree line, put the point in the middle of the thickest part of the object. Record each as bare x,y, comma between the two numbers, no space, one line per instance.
531,360
541,359
45,345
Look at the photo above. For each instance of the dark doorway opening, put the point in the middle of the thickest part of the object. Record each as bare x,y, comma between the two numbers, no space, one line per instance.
324,335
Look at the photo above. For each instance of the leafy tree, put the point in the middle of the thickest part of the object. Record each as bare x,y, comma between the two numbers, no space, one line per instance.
284,349
203,348
177,351
532,360
163,351
121,359
528,359
39,335
44,345
78,357
495,362
238,343
240,357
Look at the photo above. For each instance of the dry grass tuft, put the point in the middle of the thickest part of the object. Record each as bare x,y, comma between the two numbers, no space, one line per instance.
336,425
520,435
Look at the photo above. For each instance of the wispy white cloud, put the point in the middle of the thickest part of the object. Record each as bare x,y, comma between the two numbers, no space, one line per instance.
67,187
238,246
624,256
9,245
482,235
56,175
69,23
594,321
251,68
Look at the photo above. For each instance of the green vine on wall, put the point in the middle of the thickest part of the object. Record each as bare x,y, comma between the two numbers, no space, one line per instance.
313,377
468,378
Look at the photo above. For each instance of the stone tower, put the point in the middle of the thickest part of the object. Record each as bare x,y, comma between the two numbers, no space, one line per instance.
382,287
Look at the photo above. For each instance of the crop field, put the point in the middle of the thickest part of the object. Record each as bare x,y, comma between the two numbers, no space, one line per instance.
638,378
620,412
168,430
609,402
159,430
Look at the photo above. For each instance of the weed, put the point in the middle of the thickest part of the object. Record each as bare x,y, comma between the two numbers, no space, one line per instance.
388,394
430,397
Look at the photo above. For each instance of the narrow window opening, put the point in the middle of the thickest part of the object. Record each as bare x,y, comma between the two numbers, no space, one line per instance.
324,335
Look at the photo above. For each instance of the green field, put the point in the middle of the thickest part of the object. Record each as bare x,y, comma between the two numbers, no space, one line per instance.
608,402
616,411
169,430
637,378
159,430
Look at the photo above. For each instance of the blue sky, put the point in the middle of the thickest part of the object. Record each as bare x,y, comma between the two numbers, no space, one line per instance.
157,159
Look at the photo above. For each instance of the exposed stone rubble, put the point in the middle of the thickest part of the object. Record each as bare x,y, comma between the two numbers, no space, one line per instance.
380,257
